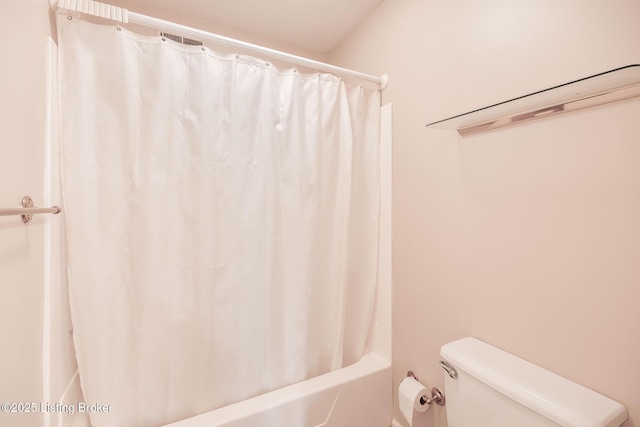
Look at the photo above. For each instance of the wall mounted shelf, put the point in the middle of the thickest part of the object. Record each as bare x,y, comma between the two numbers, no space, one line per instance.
609,86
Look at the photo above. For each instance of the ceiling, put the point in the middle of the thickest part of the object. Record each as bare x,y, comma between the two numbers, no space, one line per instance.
318,25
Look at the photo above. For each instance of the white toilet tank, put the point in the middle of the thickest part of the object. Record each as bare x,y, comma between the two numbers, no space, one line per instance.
496,389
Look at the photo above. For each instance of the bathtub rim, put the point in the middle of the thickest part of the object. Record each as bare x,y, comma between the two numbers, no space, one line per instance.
370,364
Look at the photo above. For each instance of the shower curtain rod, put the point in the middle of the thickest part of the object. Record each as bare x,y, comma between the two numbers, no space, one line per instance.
124,16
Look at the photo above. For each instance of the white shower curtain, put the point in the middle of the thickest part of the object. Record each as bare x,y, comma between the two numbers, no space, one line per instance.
222,221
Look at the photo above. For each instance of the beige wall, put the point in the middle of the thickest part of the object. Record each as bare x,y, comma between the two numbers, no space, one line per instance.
529,237
25,26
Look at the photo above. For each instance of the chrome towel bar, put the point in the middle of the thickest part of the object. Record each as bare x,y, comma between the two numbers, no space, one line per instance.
27,210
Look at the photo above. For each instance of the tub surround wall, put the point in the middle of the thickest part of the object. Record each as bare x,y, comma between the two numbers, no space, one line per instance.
528,237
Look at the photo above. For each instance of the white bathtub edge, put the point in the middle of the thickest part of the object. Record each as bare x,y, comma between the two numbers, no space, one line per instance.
370,365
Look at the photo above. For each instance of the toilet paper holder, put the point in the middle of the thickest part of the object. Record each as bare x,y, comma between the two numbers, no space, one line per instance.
437,396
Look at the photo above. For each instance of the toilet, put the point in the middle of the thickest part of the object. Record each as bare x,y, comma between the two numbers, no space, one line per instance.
488,387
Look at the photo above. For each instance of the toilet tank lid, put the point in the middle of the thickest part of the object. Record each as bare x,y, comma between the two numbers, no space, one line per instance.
552,396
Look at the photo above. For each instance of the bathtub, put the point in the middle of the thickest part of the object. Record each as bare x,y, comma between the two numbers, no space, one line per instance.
358,395
355,396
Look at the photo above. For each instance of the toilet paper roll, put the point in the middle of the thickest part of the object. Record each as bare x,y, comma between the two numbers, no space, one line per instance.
409,394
